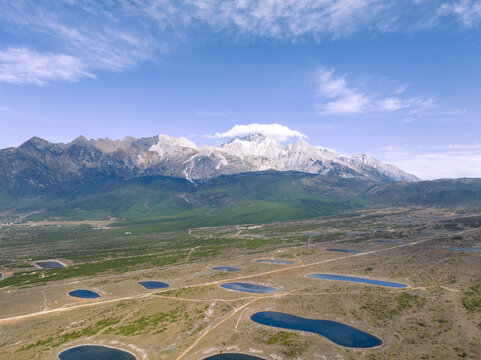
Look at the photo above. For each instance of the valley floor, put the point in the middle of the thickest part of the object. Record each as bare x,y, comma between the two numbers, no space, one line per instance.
437,316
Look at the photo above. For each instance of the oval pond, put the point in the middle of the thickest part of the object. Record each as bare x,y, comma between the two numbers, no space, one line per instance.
233,356
344,250
338,333
225,268
357,280
461,249
153,284
95,352
49,264
250,288
84,294
277,262
389,241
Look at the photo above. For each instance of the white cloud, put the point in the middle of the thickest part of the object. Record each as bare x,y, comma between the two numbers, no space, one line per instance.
334,96
117,34
435,162
467,11
278,131
21,65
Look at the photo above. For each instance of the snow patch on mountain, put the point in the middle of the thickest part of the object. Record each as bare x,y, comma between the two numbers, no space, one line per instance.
259,152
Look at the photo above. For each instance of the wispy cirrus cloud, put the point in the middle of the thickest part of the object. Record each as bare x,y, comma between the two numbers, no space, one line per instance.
467,11
335,96
436,161
20,65
116,35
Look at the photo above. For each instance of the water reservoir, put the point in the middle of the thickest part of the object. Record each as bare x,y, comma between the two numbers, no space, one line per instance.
357,280
250,288
337,332
95,352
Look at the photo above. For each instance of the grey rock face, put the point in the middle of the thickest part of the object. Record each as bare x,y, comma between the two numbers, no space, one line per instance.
38,164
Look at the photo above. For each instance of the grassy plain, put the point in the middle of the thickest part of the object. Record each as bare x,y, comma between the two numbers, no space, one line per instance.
437,317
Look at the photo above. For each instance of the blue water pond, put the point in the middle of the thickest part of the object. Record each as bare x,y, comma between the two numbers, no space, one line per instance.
49,264
357,280
233,356
153,284
1,275
84,294
461,249
354,232
338,333
344,250
389,241
225,268
250,288
278,262
95,352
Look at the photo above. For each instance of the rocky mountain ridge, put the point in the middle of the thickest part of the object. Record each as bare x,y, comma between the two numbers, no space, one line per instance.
38,164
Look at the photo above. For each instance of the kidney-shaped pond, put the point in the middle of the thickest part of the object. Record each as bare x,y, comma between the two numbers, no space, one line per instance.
344,250
357,279
250,288
84,294
153,284
225,268
277,262
95,352
49,264
1,275
233,356
338,333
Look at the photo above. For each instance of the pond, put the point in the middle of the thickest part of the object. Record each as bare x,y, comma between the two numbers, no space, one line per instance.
153,284
354,232
337,332
344,250
357,280
84,294
461,249
277,262
233,356
1,275
95,352
250,288
49,264
389,241
225,268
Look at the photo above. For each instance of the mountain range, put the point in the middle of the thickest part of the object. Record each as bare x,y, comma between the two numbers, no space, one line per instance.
171,183
38,165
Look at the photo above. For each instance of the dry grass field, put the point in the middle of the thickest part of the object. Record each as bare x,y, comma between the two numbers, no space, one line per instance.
438,316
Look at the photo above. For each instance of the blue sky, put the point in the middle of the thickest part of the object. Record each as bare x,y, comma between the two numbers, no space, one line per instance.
400,80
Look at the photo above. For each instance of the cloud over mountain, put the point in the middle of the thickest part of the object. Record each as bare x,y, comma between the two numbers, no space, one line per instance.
277,131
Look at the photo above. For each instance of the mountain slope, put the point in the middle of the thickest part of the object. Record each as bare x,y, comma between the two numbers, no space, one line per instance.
40,167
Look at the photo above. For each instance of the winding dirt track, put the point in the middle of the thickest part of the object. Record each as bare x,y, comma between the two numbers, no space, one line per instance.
13,319
254,298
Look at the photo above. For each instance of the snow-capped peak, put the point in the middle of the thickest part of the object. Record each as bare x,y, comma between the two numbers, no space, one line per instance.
258,152
168,145
254,145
